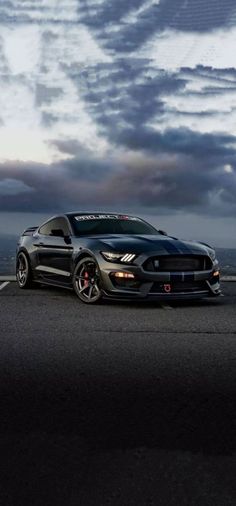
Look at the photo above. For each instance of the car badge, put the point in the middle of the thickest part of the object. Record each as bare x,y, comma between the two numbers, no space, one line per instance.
156,264
167,288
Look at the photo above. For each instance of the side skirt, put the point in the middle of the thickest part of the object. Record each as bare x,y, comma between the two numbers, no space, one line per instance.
54,283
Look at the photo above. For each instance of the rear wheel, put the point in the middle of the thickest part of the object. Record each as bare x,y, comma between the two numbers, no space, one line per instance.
87,281
23,271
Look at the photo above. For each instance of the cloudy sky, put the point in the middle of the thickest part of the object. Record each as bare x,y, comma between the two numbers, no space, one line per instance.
122,105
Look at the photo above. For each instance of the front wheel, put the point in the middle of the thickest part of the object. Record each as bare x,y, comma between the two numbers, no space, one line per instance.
23,271
87,281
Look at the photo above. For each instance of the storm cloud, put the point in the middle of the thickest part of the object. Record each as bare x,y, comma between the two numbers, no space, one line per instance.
118,104
138,20
183,180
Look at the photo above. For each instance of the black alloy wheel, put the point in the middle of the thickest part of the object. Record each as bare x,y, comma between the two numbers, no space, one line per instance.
23,271
86,281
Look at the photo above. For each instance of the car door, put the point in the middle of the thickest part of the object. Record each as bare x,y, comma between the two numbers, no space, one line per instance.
54,251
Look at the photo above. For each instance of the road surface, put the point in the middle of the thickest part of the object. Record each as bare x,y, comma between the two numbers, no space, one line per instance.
120,404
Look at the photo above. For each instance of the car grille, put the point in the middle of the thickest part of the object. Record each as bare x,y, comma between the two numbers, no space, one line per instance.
182,263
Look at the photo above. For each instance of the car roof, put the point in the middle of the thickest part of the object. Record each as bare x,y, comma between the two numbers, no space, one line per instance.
97,213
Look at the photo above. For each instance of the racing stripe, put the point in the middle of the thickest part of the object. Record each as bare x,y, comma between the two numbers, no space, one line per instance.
170,247
181,276
183,248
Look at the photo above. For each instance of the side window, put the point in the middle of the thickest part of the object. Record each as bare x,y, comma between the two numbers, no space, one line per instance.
47,228
57,223
63,225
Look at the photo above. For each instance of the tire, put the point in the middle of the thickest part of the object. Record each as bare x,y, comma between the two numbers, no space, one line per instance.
87,281
23,271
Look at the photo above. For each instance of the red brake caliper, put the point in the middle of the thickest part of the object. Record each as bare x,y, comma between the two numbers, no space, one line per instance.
86,277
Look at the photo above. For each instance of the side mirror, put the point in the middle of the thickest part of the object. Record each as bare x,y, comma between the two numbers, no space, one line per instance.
162,232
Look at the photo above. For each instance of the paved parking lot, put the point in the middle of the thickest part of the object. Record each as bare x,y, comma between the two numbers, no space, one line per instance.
56,310
121,404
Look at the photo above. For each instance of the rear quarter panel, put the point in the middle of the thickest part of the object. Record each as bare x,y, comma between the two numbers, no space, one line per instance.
26,244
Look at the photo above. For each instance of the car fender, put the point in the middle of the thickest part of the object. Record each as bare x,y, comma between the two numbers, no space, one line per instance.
24,250
82,254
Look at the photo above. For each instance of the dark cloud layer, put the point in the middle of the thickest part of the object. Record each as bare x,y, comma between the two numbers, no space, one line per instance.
181,140
187,16
151,168
183,15
124,98
127,97
182,181
125,94
145,167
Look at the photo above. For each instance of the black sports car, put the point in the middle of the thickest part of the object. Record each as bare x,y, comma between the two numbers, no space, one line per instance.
115,256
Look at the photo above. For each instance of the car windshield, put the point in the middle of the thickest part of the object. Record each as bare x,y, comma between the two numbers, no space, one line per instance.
93,225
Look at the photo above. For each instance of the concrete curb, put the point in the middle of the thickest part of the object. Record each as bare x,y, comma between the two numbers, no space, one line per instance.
228,278
7,278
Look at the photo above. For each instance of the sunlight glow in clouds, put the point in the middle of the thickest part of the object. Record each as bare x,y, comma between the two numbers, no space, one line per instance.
20,143
42,10
172,50
118,102
22,48
228,169
36,57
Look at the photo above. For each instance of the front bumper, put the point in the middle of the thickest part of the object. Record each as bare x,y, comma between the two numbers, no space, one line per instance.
158,285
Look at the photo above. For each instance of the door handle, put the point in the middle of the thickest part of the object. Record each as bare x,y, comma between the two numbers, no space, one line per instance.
38,244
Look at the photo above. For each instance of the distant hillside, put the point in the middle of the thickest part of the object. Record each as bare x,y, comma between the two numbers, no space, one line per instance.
7,254
227,260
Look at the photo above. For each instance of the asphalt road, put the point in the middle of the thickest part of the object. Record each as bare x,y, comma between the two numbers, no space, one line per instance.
121,404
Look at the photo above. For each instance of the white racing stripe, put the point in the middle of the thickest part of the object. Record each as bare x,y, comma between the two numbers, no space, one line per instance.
4,284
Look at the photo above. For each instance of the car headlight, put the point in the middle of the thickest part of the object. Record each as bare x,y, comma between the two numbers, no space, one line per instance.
120,257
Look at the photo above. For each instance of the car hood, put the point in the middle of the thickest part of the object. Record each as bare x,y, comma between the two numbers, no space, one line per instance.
148,243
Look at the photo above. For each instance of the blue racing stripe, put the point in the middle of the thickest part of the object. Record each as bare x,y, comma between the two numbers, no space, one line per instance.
170,247
183,247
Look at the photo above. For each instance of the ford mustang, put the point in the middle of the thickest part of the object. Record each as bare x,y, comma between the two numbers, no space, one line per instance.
115,256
